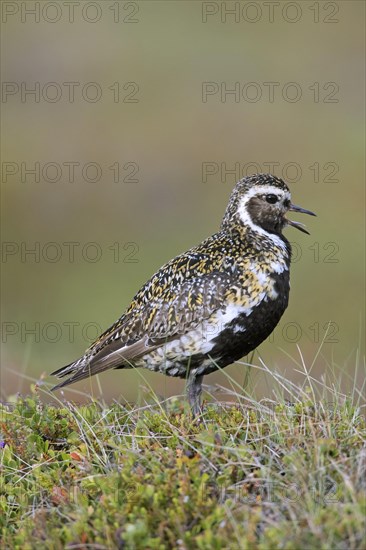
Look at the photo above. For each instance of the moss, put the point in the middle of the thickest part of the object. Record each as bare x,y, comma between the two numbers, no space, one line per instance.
116,477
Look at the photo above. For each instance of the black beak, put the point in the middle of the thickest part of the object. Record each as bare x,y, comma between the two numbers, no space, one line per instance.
298,225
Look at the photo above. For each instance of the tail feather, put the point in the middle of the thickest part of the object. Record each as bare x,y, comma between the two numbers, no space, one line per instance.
107,358
64,371
79,375
84,368
77,371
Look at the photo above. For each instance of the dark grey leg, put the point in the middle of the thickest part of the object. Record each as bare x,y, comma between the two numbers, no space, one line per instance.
194,390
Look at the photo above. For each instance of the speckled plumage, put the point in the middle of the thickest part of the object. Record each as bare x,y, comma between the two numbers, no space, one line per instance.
211,305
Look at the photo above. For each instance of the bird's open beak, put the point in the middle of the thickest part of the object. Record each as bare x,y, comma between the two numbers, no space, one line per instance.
298,225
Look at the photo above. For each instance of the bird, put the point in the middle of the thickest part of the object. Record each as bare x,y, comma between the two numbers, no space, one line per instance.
212,305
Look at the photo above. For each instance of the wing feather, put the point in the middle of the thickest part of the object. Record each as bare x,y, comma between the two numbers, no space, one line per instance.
182,294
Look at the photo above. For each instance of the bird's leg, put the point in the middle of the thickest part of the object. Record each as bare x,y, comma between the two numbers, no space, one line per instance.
194,390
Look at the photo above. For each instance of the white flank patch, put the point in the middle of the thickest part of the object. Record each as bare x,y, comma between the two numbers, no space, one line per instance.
201,339
231,312
278,267
261,276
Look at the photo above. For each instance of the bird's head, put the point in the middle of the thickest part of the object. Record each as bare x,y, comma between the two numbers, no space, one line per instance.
261,202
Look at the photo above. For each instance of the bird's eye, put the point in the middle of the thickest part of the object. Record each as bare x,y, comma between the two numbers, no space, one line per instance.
272,199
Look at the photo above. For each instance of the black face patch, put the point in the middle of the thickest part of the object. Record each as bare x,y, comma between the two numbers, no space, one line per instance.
268,216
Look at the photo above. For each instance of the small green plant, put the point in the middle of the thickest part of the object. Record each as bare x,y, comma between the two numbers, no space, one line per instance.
249,475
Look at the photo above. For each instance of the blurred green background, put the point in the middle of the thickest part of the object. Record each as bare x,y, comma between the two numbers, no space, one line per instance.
165,149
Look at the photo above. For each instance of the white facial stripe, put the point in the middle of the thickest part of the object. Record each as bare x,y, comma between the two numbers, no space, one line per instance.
266,190
245,217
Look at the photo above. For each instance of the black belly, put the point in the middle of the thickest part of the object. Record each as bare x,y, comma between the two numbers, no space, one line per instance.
232,344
